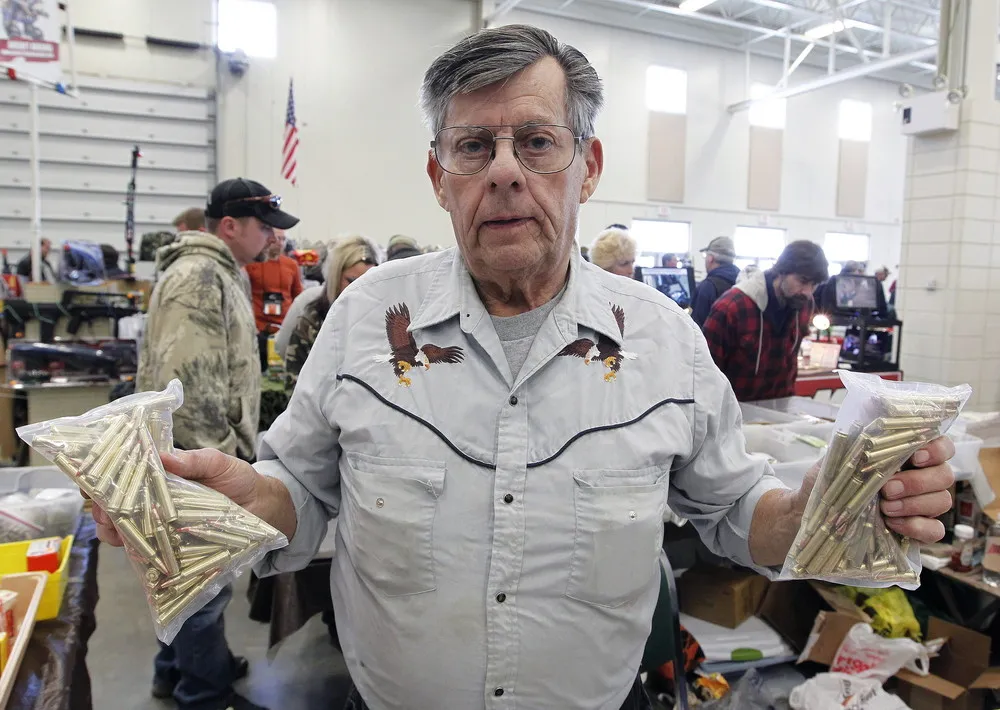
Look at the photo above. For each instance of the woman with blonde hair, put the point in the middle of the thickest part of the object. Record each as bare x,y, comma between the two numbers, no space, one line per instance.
614,251
346,262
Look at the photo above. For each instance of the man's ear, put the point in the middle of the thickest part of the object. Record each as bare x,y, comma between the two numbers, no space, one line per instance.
593,154
436,174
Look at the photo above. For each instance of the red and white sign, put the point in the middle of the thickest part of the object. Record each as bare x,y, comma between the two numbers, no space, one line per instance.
29,38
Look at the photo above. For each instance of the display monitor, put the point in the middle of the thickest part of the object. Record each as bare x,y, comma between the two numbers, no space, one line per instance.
676,283
856,292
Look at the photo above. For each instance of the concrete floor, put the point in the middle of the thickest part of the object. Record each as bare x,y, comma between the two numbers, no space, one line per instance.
306,672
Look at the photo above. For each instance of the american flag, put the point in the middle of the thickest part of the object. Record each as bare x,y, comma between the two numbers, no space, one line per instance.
291,144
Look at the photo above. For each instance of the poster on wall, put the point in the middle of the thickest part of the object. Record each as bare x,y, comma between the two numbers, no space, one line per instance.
29,38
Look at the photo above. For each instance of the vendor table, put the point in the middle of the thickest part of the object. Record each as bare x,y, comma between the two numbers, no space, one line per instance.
53,674
980,618
51,400
809,382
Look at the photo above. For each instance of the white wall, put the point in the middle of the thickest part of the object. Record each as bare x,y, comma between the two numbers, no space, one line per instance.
357,68
184,20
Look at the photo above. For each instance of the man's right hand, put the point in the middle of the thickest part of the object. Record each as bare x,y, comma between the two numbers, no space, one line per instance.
233,478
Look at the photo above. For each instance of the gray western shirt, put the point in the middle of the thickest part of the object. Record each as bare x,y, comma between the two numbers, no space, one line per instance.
498,536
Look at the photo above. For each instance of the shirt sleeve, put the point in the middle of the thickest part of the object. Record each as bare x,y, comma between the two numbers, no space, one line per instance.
704,297
189,340
718,486
302,450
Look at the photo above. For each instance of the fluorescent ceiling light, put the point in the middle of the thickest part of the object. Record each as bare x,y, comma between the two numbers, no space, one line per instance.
694,5
821,31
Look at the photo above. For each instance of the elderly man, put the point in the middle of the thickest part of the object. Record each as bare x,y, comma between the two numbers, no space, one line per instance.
500,427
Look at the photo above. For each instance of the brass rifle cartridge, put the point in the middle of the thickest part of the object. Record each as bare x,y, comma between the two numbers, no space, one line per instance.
894,423
131,534
163,542
128,471
109,465
195,515
899,436
191,553
67,467
135,487
160,492
888,452
146,513
110,434
160,432
198,568
172,609
220,537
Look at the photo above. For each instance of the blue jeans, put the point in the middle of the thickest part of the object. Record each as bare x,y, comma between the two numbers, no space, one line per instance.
199,658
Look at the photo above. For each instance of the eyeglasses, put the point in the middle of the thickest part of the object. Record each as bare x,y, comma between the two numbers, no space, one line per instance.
543,148
273,200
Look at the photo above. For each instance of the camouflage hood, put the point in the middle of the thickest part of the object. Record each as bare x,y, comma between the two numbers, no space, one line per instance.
196,244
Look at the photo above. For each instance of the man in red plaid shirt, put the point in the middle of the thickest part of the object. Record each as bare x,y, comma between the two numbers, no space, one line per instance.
754,329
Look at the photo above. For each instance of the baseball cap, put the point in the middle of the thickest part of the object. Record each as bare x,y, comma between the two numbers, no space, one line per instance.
245,198
723,246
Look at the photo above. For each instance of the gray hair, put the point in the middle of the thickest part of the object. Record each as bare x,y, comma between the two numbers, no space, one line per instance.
494,55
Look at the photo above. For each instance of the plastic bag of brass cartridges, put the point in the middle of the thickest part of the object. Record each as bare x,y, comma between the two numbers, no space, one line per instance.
842,537
185,541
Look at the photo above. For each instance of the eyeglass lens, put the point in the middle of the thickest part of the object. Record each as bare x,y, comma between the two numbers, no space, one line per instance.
465,150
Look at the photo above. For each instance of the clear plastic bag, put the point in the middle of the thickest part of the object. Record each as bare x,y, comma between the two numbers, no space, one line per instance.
185,541
843,538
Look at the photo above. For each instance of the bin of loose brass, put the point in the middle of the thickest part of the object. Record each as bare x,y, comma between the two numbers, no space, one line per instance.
182,535
841,536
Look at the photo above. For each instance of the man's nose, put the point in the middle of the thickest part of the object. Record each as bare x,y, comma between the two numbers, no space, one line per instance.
505,170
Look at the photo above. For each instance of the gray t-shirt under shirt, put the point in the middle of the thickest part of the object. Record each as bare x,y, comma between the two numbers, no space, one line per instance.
516,333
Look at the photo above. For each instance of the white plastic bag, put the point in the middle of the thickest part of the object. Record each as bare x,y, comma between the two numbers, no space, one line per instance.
836,691
185,541
865,654
881,424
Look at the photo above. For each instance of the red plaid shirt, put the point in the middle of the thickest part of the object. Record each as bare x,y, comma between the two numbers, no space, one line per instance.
759,363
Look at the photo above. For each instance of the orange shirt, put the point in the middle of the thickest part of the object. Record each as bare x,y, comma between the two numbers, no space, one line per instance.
268,278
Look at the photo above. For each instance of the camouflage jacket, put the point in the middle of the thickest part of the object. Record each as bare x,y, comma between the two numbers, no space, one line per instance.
201,330
301,342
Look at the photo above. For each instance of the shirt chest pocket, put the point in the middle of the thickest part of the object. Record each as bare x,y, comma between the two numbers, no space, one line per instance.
619,532
388,521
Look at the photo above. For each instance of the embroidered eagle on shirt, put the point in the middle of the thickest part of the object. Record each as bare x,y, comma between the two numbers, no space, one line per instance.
605,349
405,354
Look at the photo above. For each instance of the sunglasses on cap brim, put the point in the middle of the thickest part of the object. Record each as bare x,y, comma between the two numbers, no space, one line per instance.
265,208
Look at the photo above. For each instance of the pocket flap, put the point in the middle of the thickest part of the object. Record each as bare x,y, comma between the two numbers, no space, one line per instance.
429,473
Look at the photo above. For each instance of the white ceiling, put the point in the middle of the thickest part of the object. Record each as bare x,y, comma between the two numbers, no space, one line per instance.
878,29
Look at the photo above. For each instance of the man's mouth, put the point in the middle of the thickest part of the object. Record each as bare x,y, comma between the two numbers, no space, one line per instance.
505,222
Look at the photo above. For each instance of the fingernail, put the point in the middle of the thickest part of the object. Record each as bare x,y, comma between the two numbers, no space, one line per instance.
921,457
892,506
893,489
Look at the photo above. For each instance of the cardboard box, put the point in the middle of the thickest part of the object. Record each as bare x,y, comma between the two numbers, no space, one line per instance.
721,596
990,461
960,676
814,619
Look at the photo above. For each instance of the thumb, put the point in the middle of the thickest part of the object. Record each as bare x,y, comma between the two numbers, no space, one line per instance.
190,465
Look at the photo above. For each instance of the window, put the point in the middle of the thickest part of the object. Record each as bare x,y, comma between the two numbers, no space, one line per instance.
658,236
769,113
758,245
249,25
855,120
666,90
842,246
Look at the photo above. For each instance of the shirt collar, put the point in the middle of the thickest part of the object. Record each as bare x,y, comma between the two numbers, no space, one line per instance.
453,293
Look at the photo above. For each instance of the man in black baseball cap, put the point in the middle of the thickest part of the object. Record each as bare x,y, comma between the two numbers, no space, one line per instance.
238,198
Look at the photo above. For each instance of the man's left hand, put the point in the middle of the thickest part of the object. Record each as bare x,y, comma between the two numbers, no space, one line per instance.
914,497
